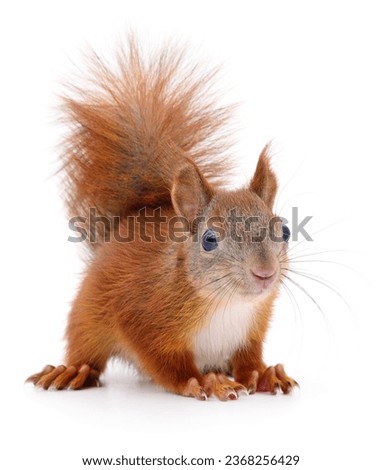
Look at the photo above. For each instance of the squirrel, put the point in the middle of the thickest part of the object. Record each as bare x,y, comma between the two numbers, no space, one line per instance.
188,295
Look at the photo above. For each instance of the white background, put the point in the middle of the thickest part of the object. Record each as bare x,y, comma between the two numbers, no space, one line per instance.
307,74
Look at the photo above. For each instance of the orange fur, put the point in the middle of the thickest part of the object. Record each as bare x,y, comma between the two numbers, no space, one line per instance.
147,136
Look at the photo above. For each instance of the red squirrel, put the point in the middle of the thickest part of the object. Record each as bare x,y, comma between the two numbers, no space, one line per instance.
188,297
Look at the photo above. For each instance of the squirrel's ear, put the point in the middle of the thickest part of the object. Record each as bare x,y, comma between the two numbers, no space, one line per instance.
264,181
190,192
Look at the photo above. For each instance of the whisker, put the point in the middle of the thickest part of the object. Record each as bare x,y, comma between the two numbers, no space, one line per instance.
293,260
291,297
215,280
323,282
305,292
220,291
296,308
233,286
343,265
315,253
312,299
319,231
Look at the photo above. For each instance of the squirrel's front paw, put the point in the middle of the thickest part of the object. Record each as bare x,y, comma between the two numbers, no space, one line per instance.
270,380
217,385
274,378
61,377
194,389
222,387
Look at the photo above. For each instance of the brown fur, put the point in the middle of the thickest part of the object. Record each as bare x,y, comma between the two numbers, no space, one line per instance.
145,136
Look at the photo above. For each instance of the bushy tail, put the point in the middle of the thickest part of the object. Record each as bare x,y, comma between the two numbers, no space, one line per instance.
132,123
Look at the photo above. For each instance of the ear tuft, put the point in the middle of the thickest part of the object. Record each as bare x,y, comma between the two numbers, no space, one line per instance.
190,192
264,181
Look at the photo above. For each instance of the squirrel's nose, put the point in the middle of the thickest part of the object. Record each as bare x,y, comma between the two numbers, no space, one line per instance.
264,276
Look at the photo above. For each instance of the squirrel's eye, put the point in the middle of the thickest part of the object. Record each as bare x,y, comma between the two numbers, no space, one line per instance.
209,241
286,233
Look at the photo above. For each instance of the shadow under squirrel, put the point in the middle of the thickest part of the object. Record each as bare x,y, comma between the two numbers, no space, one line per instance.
189,298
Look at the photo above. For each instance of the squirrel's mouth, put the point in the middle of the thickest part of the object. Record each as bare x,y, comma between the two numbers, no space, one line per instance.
264,279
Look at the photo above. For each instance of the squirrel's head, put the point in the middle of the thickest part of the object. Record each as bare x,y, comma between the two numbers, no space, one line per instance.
236,243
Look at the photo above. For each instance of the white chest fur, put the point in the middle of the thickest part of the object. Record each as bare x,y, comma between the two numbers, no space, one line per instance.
225,330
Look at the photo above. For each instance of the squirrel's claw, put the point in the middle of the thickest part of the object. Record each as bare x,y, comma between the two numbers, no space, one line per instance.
36,377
